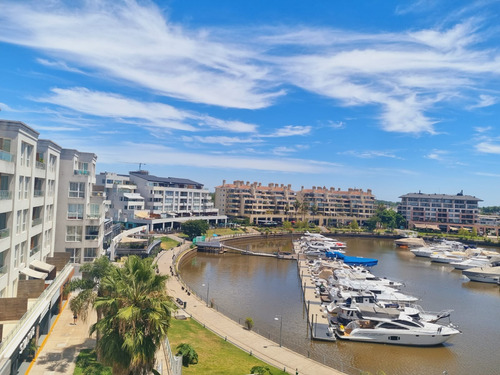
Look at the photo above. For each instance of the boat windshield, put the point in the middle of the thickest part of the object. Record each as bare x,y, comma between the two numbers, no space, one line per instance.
409,323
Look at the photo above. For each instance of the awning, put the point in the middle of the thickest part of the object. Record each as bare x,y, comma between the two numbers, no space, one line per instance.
34,274
45,267
427,226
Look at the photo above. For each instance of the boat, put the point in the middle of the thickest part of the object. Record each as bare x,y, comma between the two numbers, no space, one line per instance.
358,261
403,330
486,274
448,257
478,261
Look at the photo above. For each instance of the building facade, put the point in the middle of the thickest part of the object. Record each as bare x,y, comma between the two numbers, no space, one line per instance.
440,211
81,207
161,203
279,202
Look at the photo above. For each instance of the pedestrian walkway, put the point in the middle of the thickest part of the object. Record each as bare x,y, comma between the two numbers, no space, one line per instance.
262,348
57,354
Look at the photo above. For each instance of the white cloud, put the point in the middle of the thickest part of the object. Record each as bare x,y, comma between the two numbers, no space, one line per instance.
488,148
291,130
136,43
161,155
484,101
438,155
221,140
371,154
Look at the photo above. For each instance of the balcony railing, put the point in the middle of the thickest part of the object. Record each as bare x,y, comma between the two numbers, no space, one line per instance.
38,193
40,165
91,237
34,250
7,156
36,222
4,233
3,269
81,172
94,216
5,194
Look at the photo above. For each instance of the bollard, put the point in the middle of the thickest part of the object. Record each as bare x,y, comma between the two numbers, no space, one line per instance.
250,353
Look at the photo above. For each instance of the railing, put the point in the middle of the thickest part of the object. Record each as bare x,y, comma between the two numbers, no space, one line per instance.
3,270
174,366
7,156
38,193
81,172
43,298
40,165
4,233
98,194
94,216
91,237
36,221
34,250
5,194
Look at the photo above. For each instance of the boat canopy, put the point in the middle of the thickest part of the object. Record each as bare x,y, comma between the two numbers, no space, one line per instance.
353,261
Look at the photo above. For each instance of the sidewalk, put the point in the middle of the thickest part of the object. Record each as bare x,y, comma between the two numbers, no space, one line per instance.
57,354
262,348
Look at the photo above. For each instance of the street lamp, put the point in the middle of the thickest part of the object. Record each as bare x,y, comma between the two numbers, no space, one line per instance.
208,290
281,325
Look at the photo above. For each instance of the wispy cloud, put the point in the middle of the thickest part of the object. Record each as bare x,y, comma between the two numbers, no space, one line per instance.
221,140
439,155
291,130
488,147
371,154
484,101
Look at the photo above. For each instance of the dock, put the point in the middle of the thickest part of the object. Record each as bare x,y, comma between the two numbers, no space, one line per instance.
221,248
317,317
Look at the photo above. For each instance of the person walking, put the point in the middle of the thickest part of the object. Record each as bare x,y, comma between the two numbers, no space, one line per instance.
75,318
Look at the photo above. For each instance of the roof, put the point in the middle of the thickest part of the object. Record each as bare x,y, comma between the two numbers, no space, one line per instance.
133,196
441,196
166,180
38,264
32,273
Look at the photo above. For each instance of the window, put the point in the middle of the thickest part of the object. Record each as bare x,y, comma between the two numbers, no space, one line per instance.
50,212
21,187
75,211
18,221
27,183
48,238
75,254
91,232
77,189
94,211
90,254
25,220
17,249
73,233
52,163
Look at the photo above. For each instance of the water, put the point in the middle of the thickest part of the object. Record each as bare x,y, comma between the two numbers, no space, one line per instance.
268,289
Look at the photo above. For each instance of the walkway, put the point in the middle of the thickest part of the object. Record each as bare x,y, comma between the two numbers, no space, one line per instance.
262,348
57,354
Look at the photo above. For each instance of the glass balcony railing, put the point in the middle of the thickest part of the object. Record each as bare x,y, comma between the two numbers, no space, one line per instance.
36,221
81,172
38,193
40,165
34,250
4,233
3,270
7,156
5,194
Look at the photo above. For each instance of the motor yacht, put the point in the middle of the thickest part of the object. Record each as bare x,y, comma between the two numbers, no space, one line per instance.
403,330
486,274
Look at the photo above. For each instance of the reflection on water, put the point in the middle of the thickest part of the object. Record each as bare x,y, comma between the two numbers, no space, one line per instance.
262,288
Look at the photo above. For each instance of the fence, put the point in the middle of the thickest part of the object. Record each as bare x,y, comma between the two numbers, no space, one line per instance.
174,365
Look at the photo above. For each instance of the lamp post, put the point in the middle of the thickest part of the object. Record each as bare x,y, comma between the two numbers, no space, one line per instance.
208,290
281,325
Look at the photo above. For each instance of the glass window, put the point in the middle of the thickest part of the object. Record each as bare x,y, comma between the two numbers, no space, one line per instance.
73,233
75,211
75,254
77,189
89,254
25,219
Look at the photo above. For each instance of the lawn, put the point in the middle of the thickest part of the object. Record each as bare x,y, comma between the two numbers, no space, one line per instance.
223,231
168,243
215,356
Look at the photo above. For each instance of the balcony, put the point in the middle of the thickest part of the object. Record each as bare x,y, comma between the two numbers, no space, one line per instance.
6,156
91,237
40,165
38,193
34,250
5,194
36,222
81,172
3,270
93,216
4,233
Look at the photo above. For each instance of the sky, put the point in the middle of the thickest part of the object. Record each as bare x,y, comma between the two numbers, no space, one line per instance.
393,96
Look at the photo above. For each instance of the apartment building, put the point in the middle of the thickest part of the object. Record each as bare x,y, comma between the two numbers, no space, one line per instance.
440,211
159,202
279,202
31,273
81,207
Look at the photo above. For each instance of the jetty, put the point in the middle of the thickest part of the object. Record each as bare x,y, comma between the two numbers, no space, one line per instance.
218,247
317,317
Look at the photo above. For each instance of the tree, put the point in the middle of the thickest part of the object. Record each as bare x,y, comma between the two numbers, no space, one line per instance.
194,228
189,355
314,210
249,323
136,316
260,370
297,205
354,225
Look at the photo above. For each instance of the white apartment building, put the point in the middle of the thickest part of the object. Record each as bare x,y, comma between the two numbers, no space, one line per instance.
162,203
29,170
122,195
81,207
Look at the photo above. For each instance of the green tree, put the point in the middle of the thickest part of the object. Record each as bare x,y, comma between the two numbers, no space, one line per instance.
249,323
189,355
314,210
136,316
297,204
260,370
354,225
194,228
287,225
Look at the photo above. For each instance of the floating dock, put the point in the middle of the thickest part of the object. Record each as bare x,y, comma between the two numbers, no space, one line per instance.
317,317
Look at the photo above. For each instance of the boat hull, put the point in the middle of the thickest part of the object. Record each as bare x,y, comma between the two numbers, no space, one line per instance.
394,338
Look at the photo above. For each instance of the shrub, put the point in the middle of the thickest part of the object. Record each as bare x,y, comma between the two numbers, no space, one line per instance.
249,323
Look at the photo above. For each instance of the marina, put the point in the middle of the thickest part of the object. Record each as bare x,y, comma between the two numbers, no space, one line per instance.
265,288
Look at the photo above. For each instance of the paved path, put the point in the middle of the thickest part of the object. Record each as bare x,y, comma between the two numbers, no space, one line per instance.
262,348
57,354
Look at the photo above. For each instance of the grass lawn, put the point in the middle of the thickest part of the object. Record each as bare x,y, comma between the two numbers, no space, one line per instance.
168,243
87,360
215,356
223,231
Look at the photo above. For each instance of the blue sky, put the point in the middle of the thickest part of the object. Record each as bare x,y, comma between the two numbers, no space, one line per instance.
393,96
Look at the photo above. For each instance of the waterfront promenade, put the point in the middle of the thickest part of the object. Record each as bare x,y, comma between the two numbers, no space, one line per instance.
262,348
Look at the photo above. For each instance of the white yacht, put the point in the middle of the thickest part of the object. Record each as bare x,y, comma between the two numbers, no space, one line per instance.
400,331
486,274
447,257
478,261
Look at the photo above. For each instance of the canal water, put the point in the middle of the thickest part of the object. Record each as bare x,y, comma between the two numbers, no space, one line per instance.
268,290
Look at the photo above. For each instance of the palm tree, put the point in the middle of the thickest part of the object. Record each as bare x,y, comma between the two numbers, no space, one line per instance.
136,318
